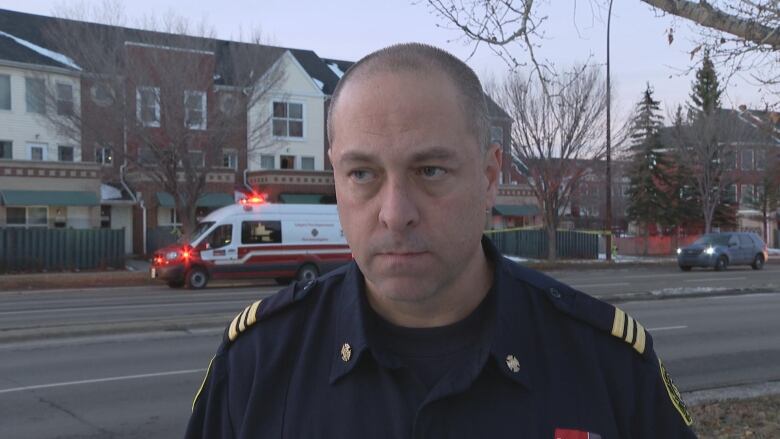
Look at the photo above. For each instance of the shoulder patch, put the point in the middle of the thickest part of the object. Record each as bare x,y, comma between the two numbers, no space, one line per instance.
590,310
243,320
674,395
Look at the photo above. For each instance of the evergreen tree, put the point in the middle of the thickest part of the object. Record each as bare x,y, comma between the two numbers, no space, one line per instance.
706,91
648,192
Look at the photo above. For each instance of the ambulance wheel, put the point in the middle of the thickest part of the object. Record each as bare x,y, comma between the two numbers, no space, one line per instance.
175,283
307,273
197,278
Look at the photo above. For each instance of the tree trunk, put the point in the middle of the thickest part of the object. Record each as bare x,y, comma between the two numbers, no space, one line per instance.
552,240
647,237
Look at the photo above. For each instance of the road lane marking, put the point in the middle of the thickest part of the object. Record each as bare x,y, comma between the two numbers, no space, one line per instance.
716,279
101,380
666,328
614,284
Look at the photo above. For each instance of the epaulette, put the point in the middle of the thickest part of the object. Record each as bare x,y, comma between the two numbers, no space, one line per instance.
265,308
590,310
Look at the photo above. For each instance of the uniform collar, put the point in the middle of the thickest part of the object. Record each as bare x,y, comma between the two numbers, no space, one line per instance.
512,332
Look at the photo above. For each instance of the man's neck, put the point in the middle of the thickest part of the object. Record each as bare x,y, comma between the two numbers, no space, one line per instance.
453,301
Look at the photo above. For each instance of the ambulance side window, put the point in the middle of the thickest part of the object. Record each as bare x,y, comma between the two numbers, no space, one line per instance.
261,232
221,236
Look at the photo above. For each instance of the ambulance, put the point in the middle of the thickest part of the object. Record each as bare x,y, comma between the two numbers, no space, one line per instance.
256,239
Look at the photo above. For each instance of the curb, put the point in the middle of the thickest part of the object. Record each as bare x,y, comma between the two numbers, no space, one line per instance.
644,296
127,327
745,391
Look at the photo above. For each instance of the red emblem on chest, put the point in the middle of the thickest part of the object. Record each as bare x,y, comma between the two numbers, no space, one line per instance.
562,433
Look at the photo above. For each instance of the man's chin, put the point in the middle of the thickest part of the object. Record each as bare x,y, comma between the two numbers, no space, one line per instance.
402,289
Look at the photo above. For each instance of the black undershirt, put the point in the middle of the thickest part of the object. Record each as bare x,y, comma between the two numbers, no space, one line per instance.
430,353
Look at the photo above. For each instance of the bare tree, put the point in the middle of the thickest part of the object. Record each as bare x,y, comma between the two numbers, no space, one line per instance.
167,104
554,133
741,35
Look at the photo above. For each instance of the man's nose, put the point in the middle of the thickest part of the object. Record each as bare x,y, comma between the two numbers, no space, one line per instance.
398,210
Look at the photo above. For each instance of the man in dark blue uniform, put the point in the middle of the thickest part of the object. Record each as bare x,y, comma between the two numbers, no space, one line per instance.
430,332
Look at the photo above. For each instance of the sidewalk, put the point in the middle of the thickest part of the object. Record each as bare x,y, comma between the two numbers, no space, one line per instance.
136,272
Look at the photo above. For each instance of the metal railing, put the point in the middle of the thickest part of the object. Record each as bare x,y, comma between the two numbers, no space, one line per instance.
533,243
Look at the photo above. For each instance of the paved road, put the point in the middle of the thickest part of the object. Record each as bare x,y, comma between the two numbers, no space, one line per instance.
131,309
141,386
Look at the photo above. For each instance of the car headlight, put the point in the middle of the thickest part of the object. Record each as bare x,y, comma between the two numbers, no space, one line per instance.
709,250
679,250
171,255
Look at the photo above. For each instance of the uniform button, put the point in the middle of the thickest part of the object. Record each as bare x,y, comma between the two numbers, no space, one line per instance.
555,293
346,352
512,363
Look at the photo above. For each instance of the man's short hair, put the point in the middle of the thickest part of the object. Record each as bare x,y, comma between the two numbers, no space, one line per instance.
416,57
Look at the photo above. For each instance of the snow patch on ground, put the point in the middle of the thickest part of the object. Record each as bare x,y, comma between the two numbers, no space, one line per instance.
774,252
634,259
686,290
56,56
517,259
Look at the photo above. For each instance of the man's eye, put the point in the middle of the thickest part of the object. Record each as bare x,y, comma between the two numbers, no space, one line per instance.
432,171
361,175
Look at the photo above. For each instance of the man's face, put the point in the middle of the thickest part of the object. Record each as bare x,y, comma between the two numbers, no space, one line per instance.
411,182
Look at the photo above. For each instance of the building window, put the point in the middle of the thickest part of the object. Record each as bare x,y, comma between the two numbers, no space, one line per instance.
105,217
760,159
102,94
307,163
148,106
64,99
104,155
196,159
267,161
731,193
747,159
288,119
37,151
6,152
497,135
228,103
746,194
195,110
35,95
27,216
261,232
287,162
230,159
5,92
65,153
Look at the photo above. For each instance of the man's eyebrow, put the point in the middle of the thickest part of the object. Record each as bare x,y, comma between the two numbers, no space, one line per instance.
434,153
356,156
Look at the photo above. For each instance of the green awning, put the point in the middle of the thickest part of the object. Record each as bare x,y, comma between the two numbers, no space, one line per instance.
49,198
301,198
213,199
513,210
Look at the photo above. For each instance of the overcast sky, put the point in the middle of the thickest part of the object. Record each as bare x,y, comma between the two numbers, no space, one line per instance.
349,29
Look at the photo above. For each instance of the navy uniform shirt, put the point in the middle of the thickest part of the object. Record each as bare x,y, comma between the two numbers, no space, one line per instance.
556,364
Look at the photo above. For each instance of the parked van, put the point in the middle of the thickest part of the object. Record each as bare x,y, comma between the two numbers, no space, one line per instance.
255,239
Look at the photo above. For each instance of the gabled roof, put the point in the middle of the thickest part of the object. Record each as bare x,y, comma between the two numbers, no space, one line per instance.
12,50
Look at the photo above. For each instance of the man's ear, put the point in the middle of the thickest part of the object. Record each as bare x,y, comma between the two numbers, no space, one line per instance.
330,155
492,168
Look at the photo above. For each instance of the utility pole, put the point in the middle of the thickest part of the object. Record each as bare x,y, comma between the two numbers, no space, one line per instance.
608,225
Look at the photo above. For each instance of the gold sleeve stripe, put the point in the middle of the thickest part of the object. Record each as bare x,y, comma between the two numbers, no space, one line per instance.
203,384
630,330
617,323
233,332
252,317
639,344
242,320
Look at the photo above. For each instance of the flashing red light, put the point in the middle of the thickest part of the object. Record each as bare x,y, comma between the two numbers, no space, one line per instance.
185,254
254,199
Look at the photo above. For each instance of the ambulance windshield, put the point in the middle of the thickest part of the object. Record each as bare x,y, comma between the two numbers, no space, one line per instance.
200,230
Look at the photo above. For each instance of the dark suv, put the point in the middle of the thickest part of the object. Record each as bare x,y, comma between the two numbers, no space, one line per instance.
719,250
